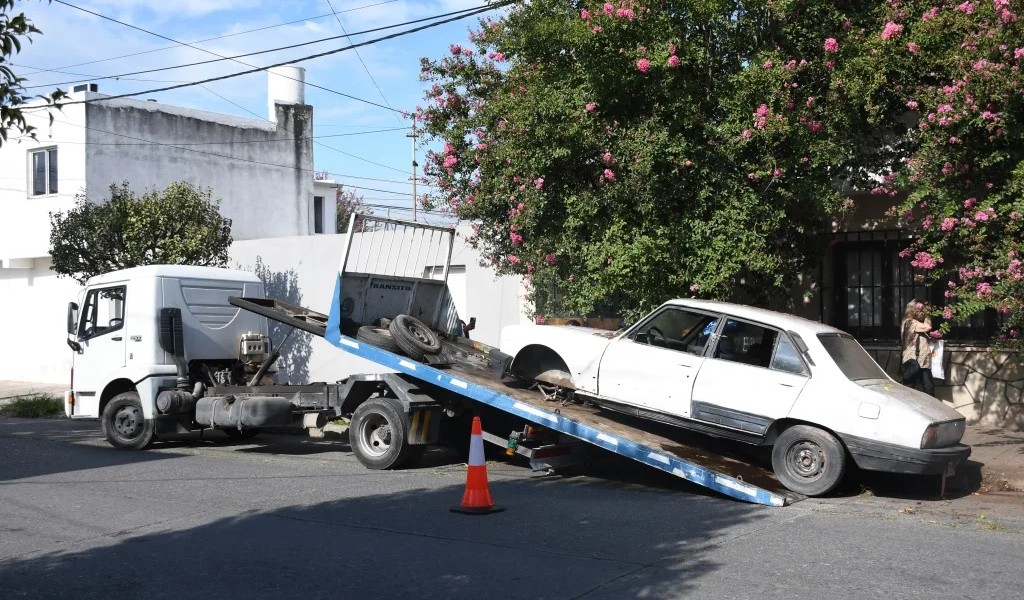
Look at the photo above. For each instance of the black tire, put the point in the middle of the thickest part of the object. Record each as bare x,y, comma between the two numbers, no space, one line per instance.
379,337
124,424
244,434
808,460
377,435
414,338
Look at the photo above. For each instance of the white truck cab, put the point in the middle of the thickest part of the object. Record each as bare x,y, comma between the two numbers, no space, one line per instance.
114,333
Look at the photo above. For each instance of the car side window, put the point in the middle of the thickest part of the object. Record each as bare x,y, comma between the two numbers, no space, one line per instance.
746,343
103,312
787,358
677,329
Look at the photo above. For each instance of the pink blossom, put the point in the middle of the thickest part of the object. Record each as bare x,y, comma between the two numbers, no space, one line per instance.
966,7
550,259
923,260
625,13
814,126
1015,216
810,101
673,61
935,334
643,65
499,57
609,175
688,163
607,158
947,224
984,290
585,14
981,216
591,106
768,64
913,48
609,8
694,287
513,259
947,313
891,30
516,239
777,172
746,134
831,64
539,183
969,203
449,161
947,169
455,49
1018,52
831,45
912,104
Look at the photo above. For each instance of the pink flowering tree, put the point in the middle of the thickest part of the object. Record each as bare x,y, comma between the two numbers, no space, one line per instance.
625,153
954,72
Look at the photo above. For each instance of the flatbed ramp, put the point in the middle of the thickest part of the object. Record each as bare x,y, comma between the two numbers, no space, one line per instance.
750,483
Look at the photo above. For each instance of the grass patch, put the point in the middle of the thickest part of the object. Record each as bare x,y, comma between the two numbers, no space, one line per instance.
33,406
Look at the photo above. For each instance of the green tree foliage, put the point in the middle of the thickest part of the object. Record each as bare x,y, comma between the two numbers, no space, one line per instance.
14,28
627,153
956,66
348,202
179,225
633,152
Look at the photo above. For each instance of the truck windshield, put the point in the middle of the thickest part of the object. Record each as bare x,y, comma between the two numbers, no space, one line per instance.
851,358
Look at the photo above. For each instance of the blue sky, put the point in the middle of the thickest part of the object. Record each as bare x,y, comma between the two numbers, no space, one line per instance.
71,37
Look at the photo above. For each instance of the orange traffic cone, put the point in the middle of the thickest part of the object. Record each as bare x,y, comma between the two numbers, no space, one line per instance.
477,498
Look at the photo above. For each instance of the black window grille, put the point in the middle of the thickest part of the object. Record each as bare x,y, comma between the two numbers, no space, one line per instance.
873,284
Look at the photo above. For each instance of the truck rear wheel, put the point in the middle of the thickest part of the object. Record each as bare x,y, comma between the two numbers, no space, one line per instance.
808,460
125,425
377,435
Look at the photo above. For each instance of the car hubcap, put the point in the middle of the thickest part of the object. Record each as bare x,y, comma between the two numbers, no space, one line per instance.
807,459
128,422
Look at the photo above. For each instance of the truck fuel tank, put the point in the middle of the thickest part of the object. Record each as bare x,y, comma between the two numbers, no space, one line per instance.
247,411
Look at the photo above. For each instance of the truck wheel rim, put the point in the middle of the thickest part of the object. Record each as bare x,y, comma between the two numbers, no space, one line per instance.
806,460
375,435
128,422
419,334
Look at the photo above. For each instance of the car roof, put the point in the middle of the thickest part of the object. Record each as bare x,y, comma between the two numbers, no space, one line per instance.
179,271
761,315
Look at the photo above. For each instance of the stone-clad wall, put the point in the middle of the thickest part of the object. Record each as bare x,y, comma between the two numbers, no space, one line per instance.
986,387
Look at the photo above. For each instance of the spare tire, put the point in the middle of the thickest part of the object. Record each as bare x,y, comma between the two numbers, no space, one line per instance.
414,338
379,337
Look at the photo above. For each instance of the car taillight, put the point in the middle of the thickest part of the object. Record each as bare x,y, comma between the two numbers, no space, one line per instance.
930,435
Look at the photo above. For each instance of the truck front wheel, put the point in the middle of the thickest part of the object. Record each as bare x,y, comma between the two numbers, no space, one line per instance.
377,435
125,425
808,460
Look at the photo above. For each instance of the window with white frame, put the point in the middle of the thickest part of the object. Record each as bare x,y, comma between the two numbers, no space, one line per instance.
43,172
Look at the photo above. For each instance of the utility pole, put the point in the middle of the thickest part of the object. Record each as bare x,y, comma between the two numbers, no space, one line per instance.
414,165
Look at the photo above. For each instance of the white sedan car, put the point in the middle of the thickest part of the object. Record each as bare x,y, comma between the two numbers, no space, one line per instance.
762,377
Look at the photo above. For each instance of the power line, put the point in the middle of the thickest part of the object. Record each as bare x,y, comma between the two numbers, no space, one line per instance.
463,12
219,37
281,64
359,56
222,57
267,141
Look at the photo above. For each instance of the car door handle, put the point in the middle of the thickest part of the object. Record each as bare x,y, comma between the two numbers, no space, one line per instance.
117,339
786,384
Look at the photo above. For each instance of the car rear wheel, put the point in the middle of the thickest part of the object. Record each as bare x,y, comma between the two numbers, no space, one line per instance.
808,460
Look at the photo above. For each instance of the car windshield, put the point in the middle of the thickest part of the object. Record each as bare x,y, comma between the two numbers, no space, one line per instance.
851,358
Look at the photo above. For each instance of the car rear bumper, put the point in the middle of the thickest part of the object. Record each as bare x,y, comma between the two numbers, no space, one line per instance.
879,456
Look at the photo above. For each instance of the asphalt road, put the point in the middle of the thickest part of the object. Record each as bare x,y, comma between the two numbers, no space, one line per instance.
292,517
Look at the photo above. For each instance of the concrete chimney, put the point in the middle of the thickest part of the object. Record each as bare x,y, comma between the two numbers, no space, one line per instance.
285,85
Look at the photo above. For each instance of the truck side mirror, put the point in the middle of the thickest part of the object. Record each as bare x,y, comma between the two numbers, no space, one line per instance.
72,317
171,340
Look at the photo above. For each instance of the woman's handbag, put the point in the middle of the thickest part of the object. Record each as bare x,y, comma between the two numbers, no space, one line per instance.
910,371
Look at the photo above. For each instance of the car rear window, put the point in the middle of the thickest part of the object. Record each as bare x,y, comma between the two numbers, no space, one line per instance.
851,358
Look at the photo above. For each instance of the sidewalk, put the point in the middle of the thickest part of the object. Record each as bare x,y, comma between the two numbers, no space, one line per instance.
1001,453
13,389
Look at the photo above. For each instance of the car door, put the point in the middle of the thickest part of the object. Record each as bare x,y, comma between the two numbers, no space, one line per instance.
655,365
752,377
102,340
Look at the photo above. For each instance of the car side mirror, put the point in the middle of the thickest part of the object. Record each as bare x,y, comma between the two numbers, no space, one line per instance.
72,317
74,345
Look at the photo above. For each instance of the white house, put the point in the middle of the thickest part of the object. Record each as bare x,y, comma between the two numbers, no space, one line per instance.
261,170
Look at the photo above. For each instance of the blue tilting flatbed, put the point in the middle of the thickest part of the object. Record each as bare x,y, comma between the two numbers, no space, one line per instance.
396,275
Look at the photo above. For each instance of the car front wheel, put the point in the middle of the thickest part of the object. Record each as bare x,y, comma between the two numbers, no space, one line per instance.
808,460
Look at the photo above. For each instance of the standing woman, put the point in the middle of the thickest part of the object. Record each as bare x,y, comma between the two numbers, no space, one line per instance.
916,362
